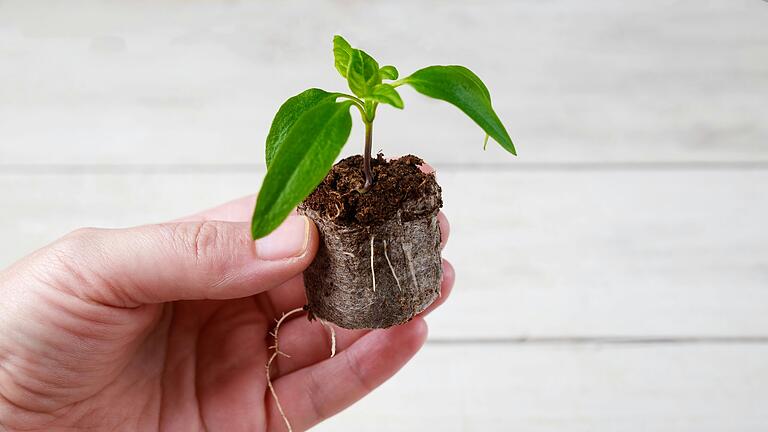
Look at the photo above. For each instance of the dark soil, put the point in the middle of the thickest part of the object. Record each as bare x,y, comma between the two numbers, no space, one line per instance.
379,261
395,182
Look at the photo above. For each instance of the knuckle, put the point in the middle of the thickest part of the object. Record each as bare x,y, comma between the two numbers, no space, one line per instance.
63,264
80,235
203,239
75,243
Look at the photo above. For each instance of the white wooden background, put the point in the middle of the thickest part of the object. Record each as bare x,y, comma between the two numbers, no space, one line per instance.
613,277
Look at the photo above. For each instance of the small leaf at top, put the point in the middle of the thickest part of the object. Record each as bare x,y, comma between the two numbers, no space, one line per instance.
288,114
385,93
342,52
389,72
363,73
300,164
459,86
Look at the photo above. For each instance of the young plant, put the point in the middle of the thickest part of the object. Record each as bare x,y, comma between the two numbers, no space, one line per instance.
310,129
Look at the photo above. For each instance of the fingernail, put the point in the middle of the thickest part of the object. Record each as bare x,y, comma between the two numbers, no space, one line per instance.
289,240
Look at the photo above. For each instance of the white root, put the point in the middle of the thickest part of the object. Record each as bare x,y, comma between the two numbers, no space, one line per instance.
432,224
390,266
272,358
373,272
333,336
408,258
338,211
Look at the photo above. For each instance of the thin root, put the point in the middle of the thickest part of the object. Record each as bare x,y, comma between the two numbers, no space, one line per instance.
390,266
333,336
409,259
272,359
338,211
373,273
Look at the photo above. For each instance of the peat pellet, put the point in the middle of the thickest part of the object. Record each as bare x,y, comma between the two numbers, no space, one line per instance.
378,263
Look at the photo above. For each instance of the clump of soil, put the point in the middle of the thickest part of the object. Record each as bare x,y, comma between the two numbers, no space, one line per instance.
379,260
395,182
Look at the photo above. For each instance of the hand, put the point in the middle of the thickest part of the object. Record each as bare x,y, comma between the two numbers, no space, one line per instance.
166,327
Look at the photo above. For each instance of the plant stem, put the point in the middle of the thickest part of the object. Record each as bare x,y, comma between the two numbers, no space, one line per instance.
359,103
367,156
399,82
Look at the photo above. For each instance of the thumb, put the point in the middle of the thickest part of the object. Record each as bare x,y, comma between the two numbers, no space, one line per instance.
184,260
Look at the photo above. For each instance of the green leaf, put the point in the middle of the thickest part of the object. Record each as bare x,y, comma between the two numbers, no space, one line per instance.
302,161
469,74
389,72
363,73
387,94
457,85
342,52
288,114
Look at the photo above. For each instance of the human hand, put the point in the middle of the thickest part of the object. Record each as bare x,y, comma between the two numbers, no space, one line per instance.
166,327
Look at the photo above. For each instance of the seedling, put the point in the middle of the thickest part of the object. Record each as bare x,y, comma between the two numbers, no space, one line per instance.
311,128
378,263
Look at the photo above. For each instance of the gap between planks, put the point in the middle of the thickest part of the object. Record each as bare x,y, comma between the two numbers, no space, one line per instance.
109,169
605,340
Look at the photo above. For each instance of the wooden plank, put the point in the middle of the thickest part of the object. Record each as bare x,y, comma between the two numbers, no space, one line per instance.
599,388
609,252
168,82
538,254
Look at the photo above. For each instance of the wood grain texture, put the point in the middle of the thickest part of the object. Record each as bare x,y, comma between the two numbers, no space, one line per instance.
537,254
199,82
594,388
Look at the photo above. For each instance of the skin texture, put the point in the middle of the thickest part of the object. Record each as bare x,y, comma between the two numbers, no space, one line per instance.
165,327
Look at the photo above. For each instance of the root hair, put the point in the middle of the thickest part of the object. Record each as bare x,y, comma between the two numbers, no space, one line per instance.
390,267
272,358
277,352
333,336
373,272
408,258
